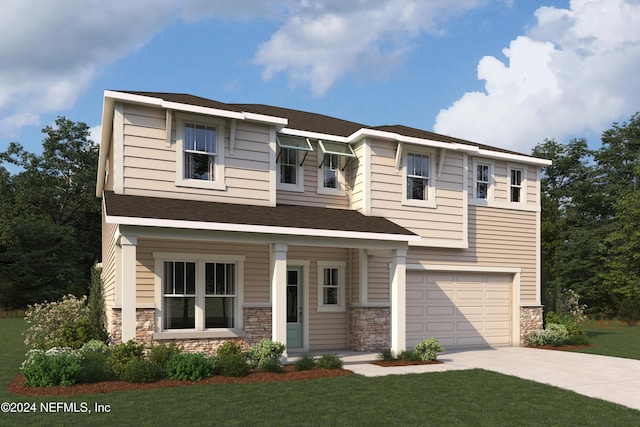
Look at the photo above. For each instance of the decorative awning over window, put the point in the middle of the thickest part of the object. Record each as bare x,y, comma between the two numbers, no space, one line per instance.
336,148
293,143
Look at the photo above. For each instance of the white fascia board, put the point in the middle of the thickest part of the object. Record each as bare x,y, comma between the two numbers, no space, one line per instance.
314,135
248,228
108,105
519,158
203,110
374,133
278,122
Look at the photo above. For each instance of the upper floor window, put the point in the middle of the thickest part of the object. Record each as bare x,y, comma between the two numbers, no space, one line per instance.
200,152
289,166
200,146
290,161
418,185
417,176
515,185
482,180
333,158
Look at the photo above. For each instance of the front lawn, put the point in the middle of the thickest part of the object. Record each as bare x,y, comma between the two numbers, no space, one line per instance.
613,338
474,397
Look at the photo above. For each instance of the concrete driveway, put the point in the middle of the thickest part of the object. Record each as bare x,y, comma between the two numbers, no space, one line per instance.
609,378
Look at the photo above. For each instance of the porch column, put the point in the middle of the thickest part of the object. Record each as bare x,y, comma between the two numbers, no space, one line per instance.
279,292
128,281
399,301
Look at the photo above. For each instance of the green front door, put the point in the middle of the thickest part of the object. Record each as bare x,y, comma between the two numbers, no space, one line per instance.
294,308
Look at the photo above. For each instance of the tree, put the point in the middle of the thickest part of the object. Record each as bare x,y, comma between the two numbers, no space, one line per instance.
50,231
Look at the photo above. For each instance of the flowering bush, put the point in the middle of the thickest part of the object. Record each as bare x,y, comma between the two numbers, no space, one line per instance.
554,334
56,366
58,324
571,306
266,352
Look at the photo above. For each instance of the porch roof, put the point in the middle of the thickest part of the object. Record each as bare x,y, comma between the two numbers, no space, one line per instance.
281,219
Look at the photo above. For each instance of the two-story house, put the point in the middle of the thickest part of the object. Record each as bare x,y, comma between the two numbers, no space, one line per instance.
235,221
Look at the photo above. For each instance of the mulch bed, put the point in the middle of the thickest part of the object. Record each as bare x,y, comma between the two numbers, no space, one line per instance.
564,347
18,386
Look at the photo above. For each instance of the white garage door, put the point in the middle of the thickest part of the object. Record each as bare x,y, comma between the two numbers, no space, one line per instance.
459,309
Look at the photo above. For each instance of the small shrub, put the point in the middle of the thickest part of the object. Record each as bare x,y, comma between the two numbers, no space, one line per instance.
305,362
386,355
428,348
95,346
122,354
160,354
232,365
56,366
536,338
229,347
266,352
556,334
409,355
271,365
189,367
141,371
329,361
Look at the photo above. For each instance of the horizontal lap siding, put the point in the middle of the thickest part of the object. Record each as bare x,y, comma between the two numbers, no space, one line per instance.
327,330
109,263
311,197
445,221
256,267
150,166
497,238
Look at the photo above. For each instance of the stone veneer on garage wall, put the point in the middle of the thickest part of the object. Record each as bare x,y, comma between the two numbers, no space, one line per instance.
530,320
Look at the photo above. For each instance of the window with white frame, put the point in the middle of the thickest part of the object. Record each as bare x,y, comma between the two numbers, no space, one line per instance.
515,185
418,186
418,174
482,180
289,166
198,293
200,152
331,286
330,171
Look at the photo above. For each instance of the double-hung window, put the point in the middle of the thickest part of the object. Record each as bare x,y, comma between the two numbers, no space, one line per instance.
517,183
417,176
199,293
331,168
289,166
482,180
418,185
331,285
292,153
333,158
200,152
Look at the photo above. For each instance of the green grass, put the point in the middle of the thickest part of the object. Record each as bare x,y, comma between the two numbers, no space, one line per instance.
613,338
474,397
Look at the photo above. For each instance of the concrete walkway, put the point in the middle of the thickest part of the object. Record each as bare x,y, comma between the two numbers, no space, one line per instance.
609,378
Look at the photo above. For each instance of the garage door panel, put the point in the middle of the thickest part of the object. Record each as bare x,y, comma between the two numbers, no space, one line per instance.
459,309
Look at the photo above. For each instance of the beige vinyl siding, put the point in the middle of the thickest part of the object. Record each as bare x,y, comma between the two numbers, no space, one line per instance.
445,221
310,196
109,262
358,177
327,330
150,166
256,272
497,238
378,280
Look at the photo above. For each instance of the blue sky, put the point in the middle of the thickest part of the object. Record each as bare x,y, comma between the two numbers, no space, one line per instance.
507,73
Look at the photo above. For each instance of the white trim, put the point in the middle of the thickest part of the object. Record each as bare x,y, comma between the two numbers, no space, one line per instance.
477,161
524,184
199,331
168,125
538,242
247,228
273,173
306,290
443,243
118,149
314,135
232,137
366,177
320,188
363,263
299,186
464,268
342,272
465,198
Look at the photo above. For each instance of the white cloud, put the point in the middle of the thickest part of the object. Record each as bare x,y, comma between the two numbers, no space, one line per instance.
573,73
322,41
51,51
